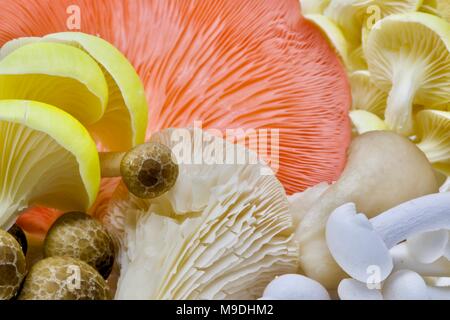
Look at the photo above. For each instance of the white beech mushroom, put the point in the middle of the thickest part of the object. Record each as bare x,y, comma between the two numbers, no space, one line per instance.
224,231
294,287
351,289
359,244
427,247
403,259
408,285
383,170
401,285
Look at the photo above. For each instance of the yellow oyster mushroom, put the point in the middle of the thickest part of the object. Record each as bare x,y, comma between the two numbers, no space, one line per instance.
47,158
365,95
58,75
439,8
353,15
364,121
333,34
356,18
408,56
124,121
313,6
434,137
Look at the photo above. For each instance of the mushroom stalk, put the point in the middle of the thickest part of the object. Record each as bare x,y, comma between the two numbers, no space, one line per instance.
370,240
110,163
148,170
403,260
427,213
398,114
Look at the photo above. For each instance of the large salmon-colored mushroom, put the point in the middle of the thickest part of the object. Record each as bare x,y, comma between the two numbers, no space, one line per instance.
245,64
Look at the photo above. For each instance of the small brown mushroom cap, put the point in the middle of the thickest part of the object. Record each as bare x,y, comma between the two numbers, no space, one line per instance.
77,235
12,266
64,278
149,170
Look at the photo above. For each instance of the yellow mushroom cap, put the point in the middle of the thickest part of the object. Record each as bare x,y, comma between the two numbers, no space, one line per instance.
434,134
366,95
365,121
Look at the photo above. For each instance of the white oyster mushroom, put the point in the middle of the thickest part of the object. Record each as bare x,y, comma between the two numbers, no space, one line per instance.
359,244
223,232
295,287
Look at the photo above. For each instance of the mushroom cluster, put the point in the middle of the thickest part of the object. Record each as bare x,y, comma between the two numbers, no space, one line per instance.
382,265
397,248
397,55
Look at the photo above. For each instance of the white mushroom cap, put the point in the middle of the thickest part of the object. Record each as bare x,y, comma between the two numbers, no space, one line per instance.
295,287
351,289
405,285
356,246
224,231
403,259
427,247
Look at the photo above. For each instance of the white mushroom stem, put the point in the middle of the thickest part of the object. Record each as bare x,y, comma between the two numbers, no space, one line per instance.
427,213
361,246
404,260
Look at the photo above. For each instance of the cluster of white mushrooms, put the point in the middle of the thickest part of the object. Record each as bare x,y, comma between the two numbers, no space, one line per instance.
380,232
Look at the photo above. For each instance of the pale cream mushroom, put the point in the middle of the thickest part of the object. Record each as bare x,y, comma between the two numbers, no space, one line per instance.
223,231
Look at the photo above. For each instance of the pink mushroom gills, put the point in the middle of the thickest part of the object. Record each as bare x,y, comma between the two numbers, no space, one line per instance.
358,244
246,64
